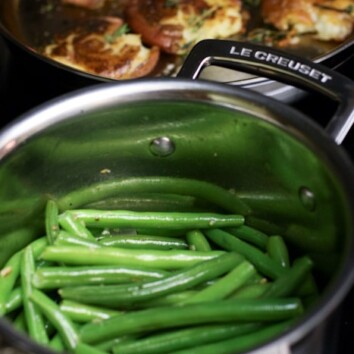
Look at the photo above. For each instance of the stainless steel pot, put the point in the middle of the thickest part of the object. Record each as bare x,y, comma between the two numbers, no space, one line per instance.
294,176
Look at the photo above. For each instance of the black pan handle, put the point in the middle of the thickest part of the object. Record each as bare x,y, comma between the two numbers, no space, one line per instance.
275,64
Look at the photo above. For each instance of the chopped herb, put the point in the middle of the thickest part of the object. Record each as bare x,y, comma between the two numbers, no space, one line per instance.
349,9
45,8
252,3
171,3
110,38
266,36
197,21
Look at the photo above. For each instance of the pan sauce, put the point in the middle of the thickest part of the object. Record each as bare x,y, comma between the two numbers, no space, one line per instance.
40,21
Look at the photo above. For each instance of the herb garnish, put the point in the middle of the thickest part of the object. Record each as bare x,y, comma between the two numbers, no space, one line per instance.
110,38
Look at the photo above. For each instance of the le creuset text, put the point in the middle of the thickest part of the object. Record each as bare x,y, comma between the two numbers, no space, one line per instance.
263,55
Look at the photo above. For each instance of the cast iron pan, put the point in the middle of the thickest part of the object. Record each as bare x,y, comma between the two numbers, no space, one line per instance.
32,24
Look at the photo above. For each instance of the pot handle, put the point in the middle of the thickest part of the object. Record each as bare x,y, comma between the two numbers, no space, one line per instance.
275,64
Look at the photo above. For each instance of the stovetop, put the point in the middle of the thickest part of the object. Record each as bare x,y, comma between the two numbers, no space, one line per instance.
20,91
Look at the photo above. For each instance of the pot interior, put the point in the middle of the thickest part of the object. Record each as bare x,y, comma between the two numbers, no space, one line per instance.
292,187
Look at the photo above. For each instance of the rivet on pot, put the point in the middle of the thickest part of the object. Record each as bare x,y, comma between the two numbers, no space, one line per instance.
162,146
307,198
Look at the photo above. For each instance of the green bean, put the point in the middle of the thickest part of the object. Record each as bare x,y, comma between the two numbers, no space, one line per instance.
225,311
34,320
241,343
265,225
278,250
109,344
174,259
169,300
18,238
83,348
130,294
226,285
51,220
66,239
197,241
38,246
56,343
286,284
14,301
151,201
8,277
160,232
261,261
250,235
79,312
20,322
183,186
10,272
63,325
74,226
136,219
144,242
183,338
56,277
251,291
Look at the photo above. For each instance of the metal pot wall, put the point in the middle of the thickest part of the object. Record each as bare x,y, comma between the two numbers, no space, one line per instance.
295,178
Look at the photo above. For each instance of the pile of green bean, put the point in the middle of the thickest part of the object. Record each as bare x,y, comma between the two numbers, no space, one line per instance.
172,277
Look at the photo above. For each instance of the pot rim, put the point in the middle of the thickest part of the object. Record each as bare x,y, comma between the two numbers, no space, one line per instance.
105,95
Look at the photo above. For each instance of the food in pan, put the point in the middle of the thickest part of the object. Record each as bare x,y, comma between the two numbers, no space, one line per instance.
151,37
326,20
88,4
103,47
175,26
194,281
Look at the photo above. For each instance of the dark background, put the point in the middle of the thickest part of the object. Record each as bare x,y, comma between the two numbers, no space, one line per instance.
24,84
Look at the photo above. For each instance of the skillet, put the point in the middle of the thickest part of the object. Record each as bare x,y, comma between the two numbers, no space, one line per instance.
31,25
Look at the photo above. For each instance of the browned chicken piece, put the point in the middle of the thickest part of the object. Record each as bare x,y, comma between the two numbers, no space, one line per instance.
103,47
176,25
88,4
327,20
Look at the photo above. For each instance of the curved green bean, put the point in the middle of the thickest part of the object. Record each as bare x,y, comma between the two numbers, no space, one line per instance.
263,263
288,283
250,235
226,285
183,186
62,323
225,311
120,296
